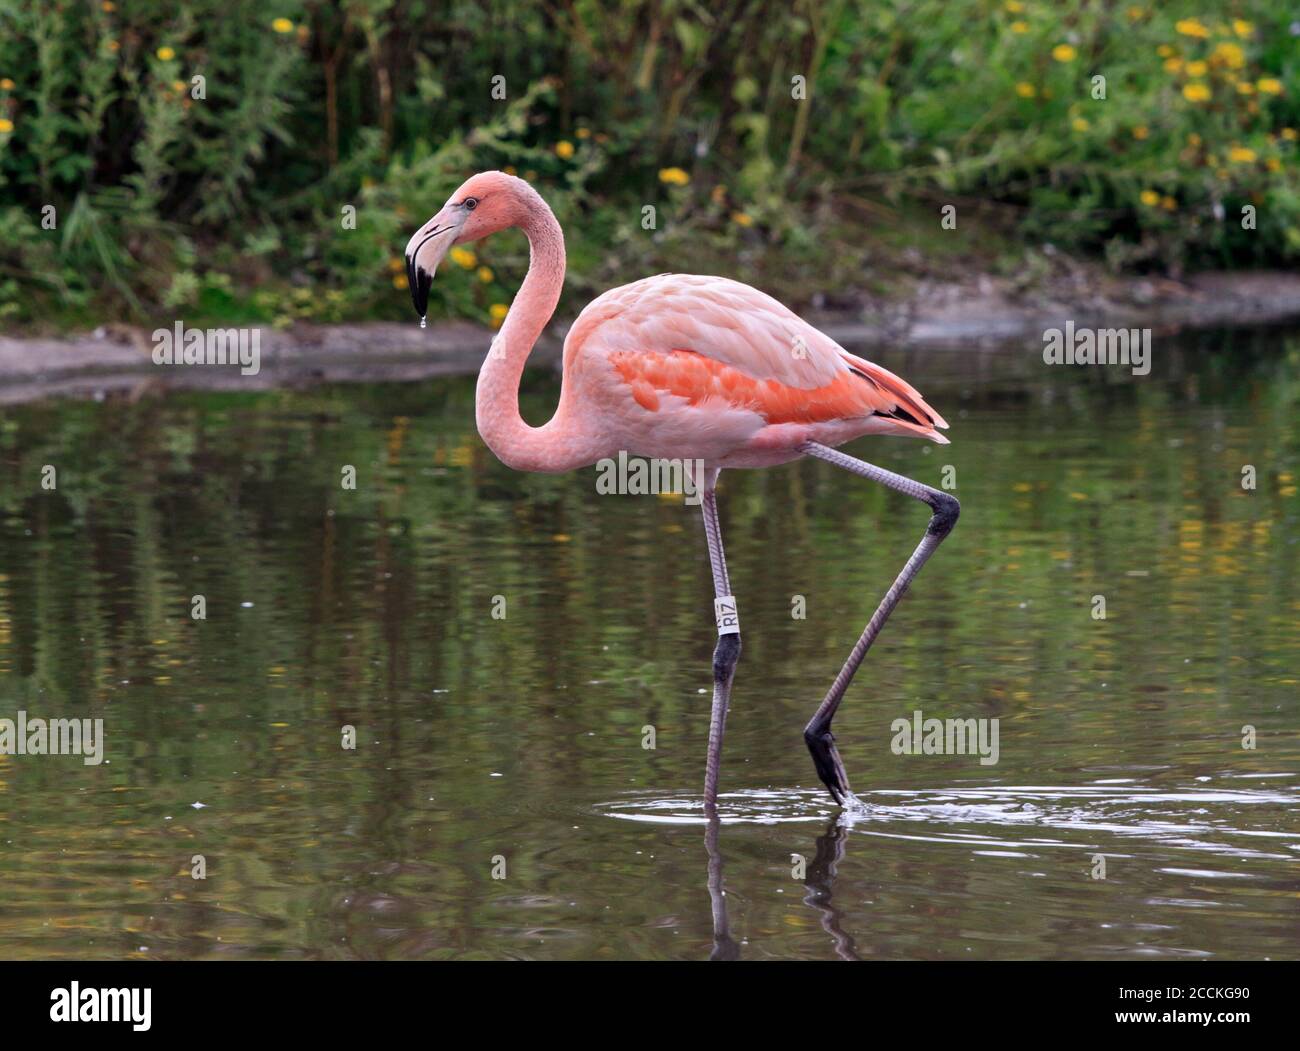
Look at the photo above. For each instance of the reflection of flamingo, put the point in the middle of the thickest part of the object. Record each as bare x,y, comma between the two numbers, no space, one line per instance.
682,367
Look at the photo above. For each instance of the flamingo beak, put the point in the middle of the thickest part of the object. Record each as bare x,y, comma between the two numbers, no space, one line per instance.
425,251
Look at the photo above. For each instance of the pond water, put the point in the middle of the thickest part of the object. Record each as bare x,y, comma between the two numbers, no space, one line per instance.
514,747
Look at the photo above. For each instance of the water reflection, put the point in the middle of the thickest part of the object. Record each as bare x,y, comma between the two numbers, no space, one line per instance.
522,739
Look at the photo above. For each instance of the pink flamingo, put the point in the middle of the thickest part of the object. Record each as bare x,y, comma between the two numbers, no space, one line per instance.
682,367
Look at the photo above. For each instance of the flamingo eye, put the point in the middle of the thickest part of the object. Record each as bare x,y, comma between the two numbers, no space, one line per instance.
470,203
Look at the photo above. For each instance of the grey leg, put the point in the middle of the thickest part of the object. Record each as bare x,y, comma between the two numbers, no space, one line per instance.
817,734
727,652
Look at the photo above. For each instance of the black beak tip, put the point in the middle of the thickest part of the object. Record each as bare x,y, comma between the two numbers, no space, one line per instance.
419,281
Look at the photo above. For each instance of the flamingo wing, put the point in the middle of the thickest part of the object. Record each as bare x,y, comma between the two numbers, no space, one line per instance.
703,340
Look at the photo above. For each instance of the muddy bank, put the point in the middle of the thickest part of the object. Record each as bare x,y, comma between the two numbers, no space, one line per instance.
982,312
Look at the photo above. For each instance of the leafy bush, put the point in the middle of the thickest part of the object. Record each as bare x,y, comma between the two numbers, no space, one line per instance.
202,160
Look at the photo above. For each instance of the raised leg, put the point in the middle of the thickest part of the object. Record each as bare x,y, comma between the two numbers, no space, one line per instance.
727,652
817,734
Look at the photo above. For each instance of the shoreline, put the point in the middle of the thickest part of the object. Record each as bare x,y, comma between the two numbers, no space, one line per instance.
983,313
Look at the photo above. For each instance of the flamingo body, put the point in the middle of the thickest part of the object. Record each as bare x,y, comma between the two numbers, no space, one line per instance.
689,366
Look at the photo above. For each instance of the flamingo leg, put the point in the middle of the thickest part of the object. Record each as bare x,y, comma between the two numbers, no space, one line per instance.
727,652
817,734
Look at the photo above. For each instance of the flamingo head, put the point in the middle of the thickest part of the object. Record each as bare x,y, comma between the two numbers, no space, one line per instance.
484,204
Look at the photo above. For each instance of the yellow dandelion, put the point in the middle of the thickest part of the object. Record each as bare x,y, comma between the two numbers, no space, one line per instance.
742,219
1164,51
1193,139
178,86
1245,87
1242,28
1026,90
1014,6
564,149
1290,134
583,133
1135,14
1150,198
6,125
396,265
1241,155
1269,86
1168,204
1191,27
282,25
1197,68
108,7
673,176
1079,124
1140,132
497,313
1064,53
464,258
7,84
1273,164
166,54
1020,27
1195,91
1229,54
485,274
1173,65
399,280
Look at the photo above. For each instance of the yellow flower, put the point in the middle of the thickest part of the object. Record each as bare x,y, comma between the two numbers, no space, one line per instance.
1290,134
1026,90
1195,91
1241,27
1150,198
108,6
6,125
399,280
1197,68
1079,124
1020,27
1191,27
395,264
564,149
742,219
1064,53
509,169
7,84
178,86
282,25
485,274
1229,54
1168,204
1014,6
463,257
1135,14
497,313
1140,132
583,133
1269,85
1241,155
113,45
1193,139
1164,51
1273,164
1245,88
673,176
166,54
1173,65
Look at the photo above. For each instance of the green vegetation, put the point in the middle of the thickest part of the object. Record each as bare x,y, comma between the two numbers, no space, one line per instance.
231,204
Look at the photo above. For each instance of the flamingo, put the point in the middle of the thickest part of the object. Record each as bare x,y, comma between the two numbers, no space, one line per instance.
685,367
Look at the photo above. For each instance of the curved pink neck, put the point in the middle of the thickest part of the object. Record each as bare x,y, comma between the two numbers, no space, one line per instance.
552,447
